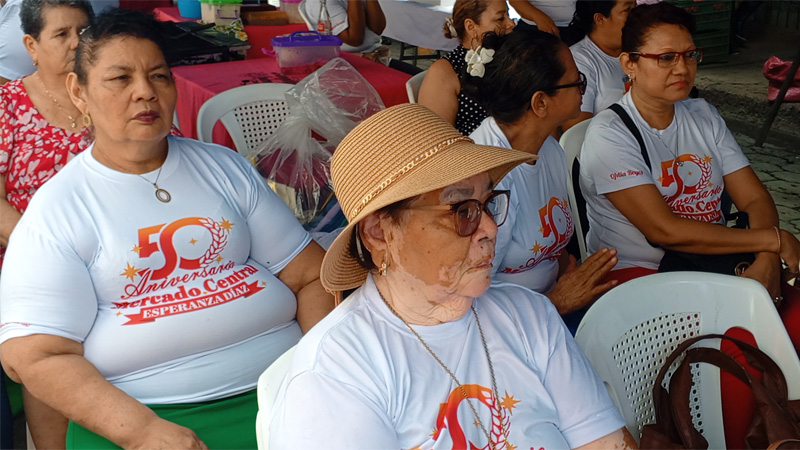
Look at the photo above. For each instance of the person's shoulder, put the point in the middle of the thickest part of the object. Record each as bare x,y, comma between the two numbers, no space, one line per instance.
516,299
9,13
488,133
551,146
12,91
192,148
696,108
442,74
581,48
347,335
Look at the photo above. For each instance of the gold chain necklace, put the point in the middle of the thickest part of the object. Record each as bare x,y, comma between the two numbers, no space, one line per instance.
503,430
73,123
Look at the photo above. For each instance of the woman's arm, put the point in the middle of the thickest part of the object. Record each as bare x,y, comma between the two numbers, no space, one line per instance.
54,370
530,12
619,440
750,195
356,23
648,212
440,89
376,21
301,275
8,215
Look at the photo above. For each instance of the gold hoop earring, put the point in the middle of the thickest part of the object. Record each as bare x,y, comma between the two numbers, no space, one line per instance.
86,120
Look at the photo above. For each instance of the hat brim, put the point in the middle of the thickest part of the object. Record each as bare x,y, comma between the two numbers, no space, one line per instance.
340,270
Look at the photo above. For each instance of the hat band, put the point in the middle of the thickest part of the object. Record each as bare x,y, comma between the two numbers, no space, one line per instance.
402,171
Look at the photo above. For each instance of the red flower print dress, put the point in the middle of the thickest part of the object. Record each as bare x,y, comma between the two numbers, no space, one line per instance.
31,150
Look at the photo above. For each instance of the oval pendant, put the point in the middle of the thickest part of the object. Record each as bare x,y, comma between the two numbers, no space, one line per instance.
163,196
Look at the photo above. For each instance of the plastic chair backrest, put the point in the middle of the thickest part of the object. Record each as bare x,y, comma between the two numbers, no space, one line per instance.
268,384
628,333
301,8
413,85
250,113
572,141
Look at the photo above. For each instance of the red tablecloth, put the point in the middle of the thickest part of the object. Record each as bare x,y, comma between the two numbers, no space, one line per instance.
196,84
258,35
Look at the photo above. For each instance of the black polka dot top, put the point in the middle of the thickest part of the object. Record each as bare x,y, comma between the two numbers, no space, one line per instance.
470,112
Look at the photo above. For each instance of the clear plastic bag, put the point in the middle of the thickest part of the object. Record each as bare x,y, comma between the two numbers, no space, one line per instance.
295,160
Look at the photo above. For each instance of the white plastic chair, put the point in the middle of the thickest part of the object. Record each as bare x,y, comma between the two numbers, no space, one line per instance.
268,384
301,8
250,113
413,85
572,141
628,333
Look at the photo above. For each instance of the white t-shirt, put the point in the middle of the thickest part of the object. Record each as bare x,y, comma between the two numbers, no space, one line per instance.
339,22
174,302
539,224
560,11
14,59
688,158
366,382
605,79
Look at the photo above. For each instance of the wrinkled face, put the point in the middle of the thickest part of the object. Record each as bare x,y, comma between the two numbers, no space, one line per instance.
426,249
55,49
617,19
567,101
495,18
668,84
130,93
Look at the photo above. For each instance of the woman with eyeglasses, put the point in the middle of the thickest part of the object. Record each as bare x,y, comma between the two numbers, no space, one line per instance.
530,88
674,201
425,353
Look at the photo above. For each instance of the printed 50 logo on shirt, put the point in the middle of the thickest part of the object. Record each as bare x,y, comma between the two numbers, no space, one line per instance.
690,191
184,282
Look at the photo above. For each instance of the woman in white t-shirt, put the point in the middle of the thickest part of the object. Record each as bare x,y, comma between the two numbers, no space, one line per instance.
675,201
597,54
551,16
154,277
529,89
427,352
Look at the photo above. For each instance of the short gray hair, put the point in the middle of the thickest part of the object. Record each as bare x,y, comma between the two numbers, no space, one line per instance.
30,14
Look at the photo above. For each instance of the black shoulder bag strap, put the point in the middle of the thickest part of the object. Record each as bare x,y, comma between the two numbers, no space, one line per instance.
626,119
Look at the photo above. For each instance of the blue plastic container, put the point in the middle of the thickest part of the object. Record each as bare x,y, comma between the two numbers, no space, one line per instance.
189,9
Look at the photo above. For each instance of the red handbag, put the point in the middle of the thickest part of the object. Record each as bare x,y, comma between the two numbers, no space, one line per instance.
775,424
775,70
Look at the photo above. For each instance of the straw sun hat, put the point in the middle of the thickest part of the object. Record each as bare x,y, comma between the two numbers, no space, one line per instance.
399,153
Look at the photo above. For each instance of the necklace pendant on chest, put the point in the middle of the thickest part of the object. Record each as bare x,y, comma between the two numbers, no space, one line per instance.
162,195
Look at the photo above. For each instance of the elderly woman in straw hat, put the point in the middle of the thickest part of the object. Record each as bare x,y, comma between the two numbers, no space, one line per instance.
424,354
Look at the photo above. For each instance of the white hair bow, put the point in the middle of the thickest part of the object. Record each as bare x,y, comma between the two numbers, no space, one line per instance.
476,60
451,27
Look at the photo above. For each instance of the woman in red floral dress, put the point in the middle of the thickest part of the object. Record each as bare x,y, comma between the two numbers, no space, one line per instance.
40,128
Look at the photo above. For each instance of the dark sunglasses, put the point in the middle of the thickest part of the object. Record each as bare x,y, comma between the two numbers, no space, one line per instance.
580,83
468,213
670,59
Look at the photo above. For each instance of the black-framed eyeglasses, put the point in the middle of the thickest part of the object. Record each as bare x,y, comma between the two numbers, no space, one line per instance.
581,83
468,213
670,59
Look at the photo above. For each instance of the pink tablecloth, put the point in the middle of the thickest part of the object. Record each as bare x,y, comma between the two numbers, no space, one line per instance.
258,35
196,84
